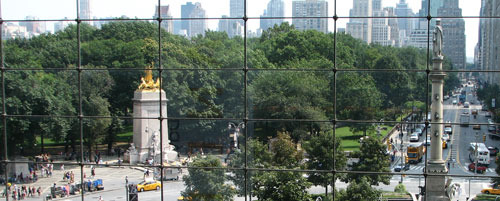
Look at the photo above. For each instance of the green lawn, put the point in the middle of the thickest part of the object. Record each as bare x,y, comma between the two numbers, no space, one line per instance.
486,197
350,141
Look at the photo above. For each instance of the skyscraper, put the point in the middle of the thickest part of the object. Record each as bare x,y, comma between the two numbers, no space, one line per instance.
310,8
85,10
453,33
168,25
236,8
34,28
405,25
361,28
489,41
433,12
384,30
275,8
230,26
197,26
185,12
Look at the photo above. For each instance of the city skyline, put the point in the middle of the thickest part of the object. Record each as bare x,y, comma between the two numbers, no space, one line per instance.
19,9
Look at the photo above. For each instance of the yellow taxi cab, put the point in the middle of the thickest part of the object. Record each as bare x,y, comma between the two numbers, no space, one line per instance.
148,185
445,144
494,189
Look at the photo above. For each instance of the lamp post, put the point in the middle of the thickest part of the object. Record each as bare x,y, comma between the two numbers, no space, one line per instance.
126,187
236,132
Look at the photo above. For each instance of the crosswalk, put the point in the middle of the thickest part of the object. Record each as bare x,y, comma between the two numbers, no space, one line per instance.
487,170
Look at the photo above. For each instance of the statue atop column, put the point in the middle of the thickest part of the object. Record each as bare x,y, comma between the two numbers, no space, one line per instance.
437,41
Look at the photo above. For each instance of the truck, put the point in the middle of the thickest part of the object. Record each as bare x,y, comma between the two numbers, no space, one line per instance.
464,120
415,152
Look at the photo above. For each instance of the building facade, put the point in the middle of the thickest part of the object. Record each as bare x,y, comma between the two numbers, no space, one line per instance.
361,28
86,10
405,25
168,25
453,33
275,8
488,47
197,27
310,8
185,12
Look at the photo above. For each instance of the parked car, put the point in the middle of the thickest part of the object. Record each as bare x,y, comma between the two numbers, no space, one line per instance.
495,190
476,127
493,151
480,168
399,167
446,137
448,130
414,137
148,185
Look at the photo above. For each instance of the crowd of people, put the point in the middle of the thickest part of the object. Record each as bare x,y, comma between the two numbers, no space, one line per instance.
20,193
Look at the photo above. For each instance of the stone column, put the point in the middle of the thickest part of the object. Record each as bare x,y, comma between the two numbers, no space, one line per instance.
435,185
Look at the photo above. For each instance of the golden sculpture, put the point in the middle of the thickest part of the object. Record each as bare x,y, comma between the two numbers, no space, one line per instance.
147,82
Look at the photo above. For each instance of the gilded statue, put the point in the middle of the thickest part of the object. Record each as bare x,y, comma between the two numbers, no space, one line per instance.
147,82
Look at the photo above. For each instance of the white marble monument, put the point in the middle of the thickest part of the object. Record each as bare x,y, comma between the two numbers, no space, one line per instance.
146,123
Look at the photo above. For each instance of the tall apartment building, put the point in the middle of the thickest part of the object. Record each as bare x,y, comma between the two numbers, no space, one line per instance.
405,25
61,25
384,30
310,8
230,26
33,27
168,25
275,8
236,8
193,27
453,33
489,40
86,10
361,28
185,12
197,26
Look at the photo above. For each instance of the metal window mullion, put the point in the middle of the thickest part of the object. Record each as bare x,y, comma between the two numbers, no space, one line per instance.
80,110
161,118
4,112
334,169
429,18
245,95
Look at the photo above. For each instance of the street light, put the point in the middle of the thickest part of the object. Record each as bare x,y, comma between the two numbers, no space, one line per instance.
236,132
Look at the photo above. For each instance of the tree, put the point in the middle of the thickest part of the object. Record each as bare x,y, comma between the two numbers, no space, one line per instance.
321,150
207,184
373,157
496,180
360,190
272,185
358,99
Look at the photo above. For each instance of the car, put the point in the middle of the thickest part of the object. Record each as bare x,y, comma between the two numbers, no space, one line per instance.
454,102
427,142
446,137
448,130
446,97
476,127
414,137
484,108
419,131
399,167
493,151
480,168
466,105
148,185
488,114
495,190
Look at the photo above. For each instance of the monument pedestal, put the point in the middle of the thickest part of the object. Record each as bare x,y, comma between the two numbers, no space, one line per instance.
151,134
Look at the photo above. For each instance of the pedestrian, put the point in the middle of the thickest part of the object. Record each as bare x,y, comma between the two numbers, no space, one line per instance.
100,198
39,191
62,167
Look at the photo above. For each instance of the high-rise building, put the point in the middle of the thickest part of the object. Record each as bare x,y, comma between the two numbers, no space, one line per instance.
384,30
185,12
230,26
168,25
275,8
61,25
453,33
405,25
197,27
34,28
86,10
361,28
310,8
236,8
489,41
425,10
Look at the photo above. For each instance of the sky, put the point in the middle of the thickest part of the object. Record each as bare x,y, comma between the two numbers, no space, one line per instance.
60,9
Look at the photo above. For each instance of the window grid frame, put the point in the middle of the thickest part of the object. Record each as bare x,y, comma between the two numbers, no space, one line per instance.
245,70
